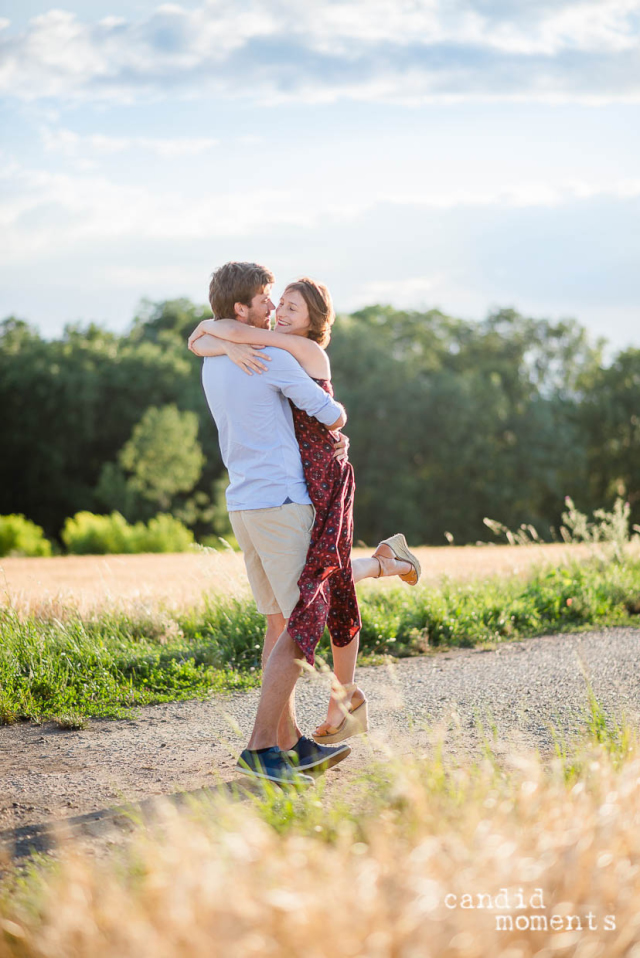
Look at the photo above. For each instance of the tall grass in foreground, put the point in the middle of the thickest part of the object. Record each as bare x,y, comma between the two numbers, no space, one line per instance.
418,858
105,665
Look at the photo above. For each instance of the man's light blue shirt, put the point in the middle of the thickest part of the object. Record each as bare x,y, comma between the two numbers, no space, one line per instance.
255,427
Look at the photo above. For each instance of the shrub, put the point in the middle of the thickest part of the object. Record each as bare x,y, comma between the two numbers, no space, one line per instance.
89,534
165,534
21,537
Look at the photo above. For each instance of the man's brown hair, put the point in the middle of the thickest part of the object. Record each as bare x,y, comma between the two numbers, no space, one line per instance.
320,306
236,283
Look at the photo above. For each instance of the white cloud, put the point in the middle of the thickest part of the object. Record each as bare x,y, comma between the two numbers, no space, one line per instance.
43,210
527,29
403,293
69,143
110,22
151,277
408,50
520,195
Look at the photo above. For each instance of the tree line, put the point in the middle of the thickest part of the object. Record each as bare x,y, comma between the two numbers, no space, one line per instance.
450,421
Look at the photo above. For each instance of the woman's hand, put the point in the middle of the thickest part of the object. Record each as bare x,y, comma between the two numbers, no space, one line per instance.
248,358
199,331
341,448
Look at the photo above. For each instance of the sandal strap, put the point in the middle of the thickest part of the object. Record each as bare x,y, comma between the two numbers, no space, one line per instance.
325,729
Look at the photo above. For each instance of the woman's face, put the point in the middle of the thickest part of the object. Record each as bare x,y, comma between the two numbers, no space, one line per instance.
292,315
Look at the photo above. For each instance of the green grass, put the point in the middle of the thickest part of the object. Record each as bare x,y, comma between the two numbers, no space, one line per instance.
560,599
109,666
113,664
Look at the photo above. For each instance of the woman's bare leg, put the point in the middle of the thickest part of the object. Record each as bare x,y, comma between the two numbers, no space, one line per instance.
344,657
368,568
344,692
344,661
371,568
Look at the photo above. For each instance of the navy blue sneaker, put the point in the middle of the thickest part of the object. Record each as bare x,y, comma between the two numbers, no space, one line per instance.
306,755
272,765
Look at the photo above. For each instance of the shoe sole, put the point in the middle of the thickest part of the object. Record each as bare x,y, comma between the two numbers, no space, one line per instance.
298,780
401,551
322,764
413,559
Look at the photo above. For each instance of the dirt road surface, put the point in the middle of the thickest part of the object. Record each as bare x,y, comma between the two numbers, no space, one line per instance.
517,692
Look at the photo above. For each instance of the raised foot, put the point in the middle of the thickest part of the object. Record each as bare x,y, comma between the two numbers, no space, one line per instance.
397,545
347,715
389,565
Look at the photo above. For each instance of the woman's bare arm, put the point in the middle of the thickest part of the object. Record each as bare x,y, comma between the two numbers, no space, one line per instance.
244,356
207,345
250,360
311,357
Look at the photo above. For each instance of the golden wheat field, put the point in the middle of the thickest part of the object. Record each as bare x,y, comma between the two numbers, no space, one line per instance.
419,861
92,583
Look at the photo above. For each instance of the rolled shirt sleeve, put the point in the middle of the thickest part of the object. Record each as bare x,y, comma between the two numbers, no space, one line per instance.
287,375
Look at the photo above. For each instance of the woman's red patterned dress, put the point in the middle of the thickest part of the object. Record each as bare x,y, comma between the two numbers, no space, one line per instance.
327,591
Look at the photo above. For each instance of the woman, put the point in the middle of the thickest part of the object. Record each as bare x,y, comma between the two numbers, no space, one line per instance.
304,318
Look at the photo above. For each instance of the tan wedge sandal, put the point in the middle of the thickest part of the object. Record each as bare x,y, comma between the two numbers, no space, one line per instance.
400,549
355,722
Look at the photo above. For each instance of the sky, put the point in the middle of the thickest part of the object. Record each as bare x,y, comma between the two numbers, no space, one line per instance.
459,154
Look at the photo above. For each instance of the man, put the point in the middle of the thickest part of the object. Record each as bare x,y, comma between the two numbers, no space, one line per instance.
269,507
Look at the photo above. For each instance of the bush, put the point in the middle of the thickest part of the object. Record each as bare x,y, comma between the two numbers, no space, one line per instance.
21,537
165,534
89,534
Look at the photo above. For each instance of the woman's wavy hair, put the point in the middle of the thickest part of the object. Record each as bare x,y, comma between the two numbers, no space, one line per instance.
320,306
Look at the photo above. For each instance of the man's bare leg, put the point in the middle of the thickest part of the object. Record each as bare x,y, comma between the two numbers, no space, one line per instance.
288,728
281,673
276,624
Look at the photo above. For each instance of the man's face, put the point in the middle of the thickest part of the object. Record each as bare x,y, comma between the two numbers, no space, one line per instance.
260,310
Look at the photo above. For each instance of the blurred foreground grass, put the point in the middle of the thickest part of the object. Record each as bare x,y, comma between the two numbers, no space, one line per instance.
72,667
421,856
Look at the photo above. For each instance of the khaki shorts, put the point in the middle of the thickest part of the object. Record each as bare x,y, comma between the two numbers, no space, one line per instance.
275,543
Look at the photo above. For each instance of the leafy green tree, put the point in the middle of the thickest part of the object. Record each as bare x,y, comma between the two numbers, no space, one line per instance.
163,455
450,421
167,321
610,415
70,404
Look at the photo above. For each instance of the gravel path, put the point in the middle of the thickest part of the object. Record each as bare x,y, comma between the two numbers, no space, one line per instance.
516,690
